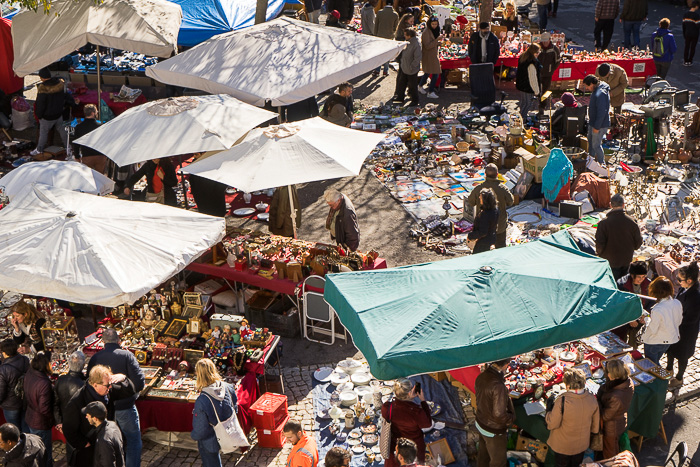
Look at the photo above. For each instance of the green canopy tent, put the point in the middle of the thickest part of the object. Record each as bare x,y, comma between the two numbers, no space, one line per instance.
475,309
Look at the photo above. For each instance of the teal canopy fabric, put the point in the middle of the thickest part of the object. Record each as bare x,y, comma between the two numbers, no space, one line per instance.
480,308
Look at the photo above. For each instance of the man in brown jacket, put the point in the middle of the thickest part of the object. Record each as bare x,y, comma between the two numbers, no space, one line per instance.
504,197
616,77
280,221
617,237
494,414
385,24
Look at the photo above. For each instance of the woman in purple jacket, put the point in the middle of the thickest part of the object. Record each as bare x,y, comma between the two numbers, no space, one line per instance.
39,397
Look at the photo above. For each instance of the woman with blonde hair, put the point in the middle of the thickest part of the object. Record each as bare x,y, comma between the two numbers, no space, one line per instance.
614,399
27,323
510,17
527,79
217,401
663,321
407,418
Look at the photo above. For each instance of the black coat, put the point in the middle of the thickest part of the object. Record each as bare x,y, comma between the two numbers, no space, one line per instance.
123,362
169,180
685,347
522,77
10,371
109,446
29,452
39,400
484,231
346,8
66,387
82,129
51,97
209,195
617,237
78,431
493,48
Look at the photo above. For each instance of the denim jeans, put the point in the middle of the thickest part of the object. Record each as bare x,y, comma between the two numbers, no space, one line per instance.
433,81
385,66
542,11
595,144
45,436
15,417
209,459
128,421
654,352
631,33
45,128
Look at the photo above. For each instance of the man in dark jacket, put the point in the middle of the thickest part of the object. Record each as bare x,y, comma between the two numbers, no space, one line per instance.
346,8
605,13
127,416
550,58
598,115
66,387
14,366
494,414
617,237
101,386
342,219
484,46
503,196
633,13
88,156
338,107
691,32
50,100
160,180
109,446
21,450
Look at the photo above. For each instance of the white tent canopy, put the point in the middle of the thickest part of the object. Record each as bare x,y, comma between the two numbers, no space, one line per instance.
144,26
298,152
283,61
89,249
203,123
69,175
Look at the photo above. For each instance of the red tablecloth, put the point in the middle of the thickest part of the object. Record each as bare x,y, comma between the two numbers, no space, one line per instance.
165,415
55,434
635,68
90,97
284,286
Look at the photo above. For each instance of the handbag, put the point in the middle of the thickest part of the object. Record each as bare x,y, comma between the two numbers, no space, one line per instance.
385,436
229,432
596,441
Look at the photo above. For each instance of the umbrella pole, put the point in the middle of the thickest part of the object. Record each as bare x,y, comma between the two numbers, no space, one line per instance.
292,211
280,111
99,86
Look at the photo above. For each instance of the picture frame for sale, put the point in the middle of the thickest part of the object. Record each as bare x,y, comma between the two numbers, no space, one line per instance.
195,326
193,356
644,378
645,364
160,326
441,448
193,311
192,298
176,328
586,368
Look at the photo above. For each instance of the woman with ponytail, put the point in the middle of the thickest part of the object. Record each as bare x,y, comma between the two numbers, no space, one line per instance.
689,296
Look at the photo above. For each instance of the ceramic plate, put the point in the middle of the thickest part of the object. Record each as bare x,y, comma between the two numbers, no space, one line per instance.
359,449
690,241
244,211
230,191
323,374
354,442
324,414
264,216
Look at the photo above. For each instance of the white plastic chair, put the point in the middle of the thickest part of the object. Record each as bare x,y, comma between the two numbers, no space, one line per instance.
316,310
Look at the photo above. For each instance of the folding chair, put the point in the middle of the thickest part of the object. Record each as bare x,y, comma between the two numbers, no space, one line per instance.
317,311
682,451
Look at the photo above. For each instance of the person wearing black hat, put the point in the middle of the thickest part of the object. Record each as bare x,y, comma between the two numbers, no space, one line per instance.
50,99
616,77
109,445
484,46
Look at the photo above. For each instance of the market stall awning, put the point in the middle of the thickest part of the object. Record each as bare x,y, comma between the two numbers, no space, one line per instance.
279,155
203,19
89,249
145,26
282,61
201,123
480,308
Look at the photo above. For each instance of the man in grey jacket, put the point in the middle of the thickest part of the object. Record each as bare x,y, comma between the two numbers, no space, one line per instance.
408,69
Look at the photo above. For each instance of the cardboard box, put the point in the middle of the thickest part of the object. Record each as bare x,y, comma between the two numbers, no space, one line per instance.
535,447
457,76
533,163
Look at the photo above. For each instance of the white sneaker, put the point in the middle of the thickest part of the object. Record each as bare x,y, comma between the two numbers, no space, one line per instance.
432,95
35,152
422,90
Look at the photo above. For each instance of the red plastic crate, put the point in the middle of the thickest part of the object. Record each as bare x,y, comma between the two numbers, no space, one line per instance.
269,410
272,438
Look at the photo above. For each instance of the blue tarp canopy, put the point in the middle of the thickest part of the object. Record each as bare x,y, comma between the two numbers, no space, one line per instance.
202,19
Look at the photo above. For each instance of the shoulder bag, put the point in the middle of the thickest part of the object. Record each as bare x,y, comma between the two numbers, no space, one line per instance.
229,432
385,436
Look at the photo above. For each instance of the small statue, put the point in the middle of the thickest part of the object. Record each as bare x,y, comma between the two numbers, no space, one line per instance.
149,320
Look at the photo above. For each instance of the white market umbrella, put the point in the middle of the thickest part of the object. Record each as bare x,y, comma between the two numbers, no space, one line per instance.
282,61
144,26
287,154
89,249
174,126
69,175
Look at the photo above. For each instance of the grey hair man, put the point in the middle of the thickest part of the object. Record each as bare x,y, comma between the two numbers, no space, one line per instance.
342,219
617,237
66,386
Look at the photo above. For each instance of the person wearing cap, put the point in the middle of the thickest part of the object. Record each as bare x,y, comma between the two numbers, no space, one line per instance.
503,196
346,8
51,98
568,101
598,115
333,19
483,45
605,13
616,77
550,58
109,445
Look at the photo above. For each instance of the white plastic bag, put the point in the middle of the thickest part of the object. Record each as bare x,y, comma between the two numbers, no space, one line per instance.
21,120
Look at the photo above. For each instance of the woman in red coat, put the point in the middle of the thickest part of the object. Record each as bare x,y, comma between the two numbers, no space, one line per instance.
407,418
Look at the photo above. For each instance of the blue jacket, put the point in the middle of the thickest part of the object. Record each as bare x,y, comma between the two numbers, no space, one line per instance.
669,45
121,361
220,395
599,107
